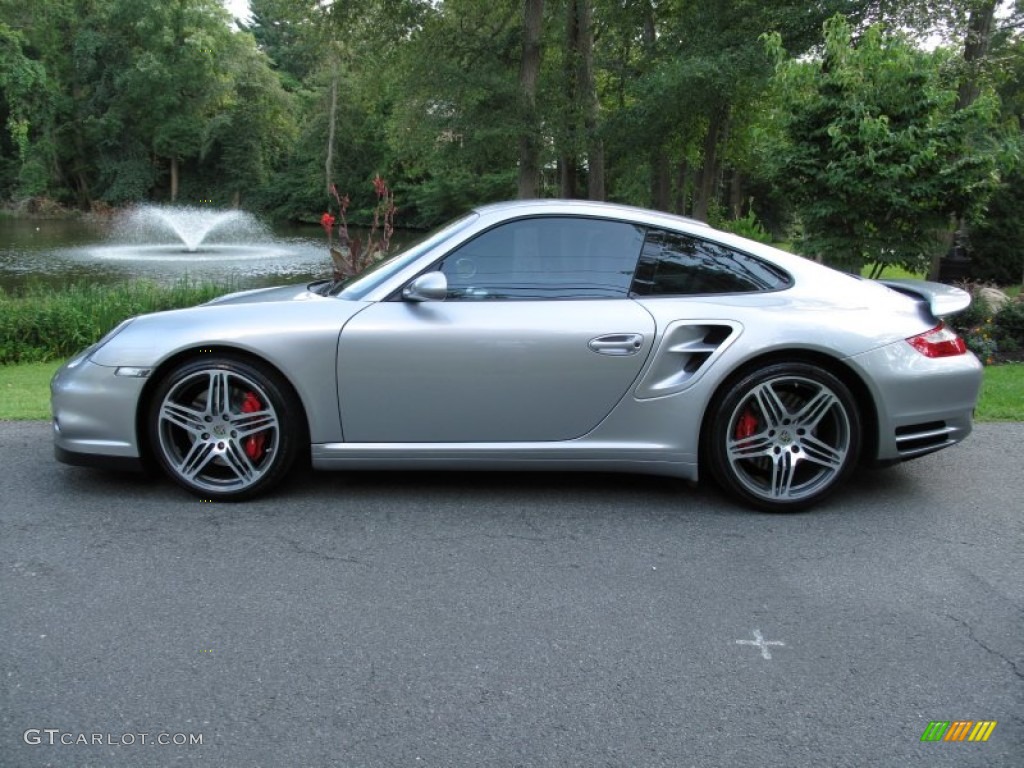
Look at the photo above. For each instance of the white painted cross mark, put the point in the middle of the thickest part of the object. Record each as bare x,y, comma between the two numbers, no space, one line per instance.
761,643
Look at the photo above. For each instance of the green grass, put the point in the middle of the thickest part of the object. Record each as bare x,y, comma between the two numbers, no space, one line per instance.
25,392
1002,394
39,324
894,273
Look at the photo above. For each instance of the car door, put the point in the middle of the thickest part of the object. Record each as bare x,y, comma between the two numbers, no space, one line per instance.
536,340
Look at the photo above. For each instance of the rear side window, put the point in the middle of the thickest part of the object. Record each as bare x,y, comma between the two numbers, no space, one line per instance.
674,264
551,257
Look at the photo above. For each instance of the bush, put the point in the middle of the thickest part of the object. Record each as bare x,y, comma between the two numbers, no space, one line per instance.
994,336
1008,330
39,325
977,314
749,227
996,242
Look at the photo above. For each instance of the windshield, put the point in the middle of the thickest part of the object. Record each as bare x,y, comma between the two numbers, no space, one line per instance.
357,287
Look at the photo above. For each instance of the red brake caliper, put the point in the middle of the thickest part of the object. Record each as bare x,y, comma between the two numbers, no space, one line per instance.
253,444
746,425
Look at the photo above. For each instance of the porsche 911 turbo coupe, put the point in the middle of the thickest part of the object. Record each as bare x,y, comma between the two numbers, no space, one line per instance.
552,335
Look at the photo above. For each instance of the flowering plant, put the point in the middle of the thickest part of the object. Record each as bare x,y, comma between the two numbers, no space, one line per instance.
351,256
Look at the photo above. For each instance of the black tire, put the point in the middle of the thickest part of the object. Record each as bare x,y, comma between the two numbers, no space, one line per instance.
224,429
784,437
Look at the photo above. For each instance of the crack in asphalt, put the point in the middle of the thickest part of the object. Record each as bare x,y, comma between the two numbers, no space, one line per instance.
971,636
301,550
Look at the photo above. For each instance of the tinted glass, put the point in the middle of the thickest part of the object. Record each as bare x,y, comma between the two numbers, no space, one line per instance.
673,264
546,258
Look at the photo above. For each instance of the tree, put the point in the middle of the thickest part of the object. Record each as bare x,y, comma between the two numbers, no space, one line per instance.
995,234
874,157
256,128
456,121
26,97
529,72
291,34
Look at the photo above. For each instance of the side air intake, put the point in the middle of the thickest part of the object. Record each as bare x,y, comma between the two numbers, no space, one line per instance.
683,355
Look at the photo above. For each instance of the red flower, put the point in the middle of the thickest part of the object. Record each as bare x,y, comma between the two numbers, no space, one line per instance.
327,222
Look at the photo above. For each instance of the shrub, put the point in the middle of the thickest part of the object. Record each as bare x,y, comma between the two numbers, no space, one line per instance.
974,325
994,336
749,227
38,324
1008,329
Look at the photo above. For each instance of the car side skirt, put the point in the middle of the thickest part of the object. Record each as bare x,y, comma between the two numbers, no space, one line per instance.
571,456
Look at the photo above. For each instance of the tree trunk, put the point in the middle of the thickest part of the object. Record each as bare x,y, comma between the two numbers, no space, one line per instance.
591,104
595,162
174,179
82,192
661,181
567,170
979,36
569,154
682,181
706,189
736,198
332,124
529,71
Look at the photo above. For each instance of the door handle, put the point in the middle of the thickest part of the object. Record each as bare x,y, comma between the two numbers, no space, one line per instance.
617,344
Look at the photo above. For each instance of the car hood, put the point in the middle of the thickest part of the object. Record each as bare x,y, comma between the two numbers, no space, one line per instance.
273,323
278,293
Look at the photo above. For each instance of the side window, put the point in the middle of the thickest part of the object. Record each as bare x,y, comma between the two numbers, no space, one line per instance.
547,257
679,265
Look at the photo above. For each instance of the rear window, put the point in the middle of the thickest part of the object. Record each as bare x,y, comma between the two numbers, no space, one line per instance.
673,264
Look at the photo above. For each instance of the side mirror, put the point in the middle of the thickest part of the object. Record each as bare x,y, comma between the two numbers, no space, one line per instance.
432,286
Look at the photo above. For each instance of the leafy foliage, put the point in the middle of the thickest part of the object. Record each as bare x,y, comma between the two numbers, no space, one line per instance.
37,324
854,137
994,334
114,100
873,155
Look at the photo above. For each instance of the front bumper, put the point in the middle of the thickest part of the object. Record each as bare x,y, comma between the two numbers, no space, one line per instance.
94,415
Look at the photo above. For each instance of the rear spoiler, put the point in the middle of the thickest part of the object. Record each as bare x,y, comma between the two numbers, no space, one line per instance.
942,299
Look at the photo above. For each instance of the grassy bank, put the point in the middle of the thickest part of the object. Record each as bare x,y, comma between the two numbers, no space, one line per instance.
38,324
25,393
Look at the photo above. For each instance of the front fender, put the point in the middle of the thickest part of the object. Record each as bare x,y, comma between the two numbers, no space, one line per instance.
300,339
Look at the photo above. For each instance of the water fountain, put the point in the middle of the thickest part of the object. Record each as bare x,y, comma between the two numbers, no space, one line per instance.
190,225
165,242
162,243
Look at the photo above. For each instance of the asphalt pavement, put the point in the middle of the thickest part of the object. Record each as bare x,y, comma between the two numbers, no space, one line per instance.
408,619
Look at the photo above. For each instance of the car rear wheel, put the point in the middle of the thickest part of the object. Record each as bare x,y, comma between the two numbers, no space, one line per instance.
784,437
224,429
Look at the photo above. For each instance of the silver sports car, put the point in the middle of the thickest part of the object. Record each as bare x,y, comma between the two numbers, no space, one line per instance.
537,335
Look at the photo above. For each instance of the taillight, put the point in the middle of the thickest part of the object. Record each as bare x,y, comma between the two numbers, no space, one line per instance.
940,341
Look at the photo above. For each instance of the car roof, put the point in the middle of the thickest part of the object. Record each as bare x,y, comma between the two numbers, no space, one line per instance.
549,206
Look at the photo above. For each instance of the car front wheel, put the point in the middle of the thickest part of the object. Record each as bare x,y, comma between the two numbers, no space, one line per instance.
784,437
224,429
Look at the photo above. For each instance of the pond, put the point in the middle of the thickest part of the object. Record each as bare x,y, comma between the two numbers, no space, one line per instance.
164,245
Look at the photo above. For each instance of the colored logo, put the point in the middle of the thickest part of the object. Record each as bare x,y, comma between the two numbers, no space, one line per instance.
958,730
